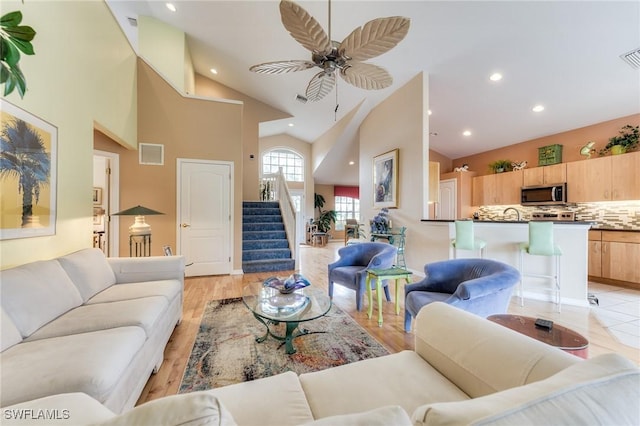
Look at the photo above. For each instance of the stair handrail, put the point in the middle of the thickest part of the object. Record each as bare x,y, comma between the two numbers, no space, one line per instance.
273,187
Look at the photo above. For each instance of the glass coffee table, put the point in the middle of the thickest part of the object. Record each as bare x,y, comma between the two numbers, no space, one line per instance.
271,307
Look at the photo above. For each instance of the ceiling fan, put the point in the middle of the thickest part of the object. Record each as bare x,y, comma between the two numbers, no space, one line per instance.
373,39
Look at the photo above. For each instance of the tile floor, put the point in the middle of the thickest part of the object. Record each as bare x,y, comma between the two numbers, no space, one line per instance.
618,311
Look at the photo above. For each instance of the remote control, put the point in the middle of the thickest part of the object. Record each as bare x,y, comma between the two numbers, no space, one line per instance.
543,323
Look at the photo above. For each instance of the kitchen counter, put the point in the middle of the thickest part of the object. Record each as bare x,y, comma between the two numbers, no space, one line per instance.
503,239
559,222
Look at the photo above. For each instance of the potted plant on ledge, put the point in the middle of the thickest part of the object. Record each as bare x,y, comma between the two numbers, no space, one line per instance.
627,140
500,166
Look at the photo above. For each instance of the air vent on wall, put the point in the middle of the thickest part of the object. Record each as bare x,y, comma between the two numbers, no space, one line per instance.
151,154
632,58
132,21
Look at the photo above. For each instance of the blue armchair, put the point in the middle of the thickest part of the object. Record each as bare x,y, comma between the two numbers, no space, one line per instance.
350,270
479,286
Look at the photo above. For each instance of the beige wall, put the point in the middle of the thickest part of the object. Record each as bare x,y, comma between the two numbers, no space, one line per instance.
571,141
254,113
190,128
399,122
77,79
446,164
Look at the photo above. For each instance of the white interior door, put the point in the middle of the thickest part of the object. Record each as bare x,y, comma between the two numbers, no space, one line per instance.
204,216
106,176
446,209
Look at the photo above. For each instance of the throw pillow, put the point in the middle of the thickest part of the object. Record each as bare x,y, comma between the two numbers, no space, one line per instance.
383,416
601,390
189,409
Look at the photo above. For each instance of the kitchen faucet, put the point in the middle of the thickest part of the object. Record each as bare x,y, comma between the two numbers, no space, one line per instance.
515,210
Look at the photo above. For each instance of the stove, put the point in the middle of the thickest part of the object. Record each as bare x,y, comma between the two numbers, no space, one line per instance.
556,217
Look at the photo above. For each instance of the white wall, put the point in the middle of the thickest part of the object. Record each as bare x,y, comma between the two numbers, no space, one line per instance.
400,121
82,75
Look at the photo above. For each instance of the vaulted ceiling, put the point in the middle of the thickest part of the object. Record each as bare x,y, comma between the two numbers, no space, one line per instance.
563,55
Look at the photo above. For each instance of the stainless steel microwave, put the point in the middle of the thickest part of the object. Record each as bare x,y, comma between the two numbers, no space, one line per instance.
544,195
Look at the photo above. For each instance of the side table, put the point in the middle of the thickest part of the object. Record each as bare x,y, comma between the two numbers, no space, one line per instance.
394,273
561,337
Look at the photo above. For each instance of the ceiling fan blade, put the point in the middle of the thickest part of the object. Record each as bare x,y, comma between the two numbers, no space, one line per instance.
281,67
366,76
375,37
320,85
304,28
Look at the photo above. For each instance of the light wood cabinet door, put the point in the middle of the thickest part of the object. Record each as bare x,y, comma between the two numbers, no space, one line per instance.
533,176
620,261
508,187
625,176
595,258
556,173
484,190
589,180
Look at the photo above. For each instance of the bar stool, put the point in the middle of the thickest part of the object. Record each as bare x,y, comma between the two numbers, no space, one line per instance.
465,239
541,243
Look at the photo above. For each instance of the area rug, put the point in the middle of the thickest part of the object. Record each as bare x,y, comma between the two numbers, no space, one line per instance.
226,352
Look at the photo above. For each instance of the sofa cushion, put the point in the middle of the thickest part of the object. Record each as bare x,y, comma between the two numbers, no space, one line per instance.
36,293
143,313
89,271
89,362
70,409
275,400
197,408
442,330
8,332
383,416
601,390
169,289
403,379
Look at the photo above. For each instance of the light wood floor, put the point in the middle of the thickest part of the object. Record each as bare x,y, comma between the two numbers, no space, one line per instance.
313,265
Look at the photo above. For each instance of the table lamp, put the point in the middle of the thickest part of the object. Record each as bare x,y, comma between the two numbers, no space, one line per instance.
139,227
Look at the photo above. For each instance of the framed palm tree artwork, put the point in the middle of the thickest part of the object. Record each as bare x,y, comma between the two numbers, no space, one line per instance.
28,149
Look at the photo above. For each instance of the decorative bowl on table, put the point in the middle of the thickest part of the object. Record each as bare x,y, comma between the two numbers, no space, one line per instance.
292,283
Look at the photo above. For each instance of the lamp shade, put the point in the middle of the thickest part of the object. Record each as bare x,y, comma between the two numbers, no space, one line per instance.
137,211
139,227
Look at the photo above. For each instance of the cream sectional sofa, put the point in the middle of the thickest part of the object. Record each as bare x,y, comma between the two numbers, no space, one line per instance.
464,370
86,323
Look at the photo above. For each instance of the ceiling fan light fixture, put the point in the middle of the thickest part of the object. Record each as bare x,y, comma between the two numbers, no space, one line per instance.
372,39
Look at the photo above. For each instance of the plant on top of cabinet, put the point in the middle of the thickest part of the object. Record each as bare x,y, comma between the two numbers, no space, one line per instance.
500,166
627,140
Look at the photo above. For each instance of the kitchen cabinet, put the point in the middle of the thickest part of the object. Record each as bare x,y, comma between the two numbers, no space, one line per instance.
612,178
545,175
496,189
618,252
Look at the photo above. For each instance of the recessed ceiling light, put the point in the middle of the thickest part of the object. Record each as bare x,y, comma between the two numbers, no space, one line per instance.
537,108
467,133
495,76
171,7
429,112
290,124
351,163
213,71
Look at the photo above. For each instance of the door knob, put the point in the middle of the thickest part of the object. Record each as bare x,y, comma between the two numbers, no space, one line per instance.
185,225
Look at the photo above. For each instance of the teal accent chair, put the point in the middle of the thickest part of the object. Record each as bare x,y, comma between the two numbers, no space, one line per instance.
541,243
465,239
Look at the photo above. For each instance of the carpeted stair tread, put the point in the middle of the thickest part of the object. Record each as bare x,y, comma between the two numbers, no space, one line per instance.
264,244
263,226
270,265
264,254
264,235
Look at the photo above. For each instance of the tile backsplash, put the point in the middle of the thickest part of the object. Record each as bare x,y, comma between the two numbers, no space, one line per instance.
609,215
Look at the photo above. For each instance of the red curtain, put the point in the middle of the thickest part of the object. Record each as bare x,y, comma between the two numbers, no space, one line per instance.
346,191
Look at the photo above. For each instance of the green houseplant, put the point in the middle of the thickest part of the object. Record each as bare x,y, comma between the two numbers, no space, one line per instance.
500,166
627,140
325,217
14,38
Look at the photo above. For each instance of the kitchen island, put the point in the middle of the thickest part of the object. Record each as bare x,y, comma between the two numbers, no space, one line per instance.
503,238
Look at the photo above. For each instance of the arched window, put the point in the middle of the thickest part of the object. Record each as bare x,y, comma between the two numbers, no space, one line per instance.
292,164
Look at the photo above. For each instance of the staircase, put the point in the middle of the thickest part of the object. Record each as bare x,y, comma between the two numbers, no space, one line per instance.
264,241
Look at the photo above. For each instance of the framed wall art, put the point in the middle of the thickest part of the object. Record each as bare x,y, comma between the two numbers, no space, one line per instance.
28,174
385,180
